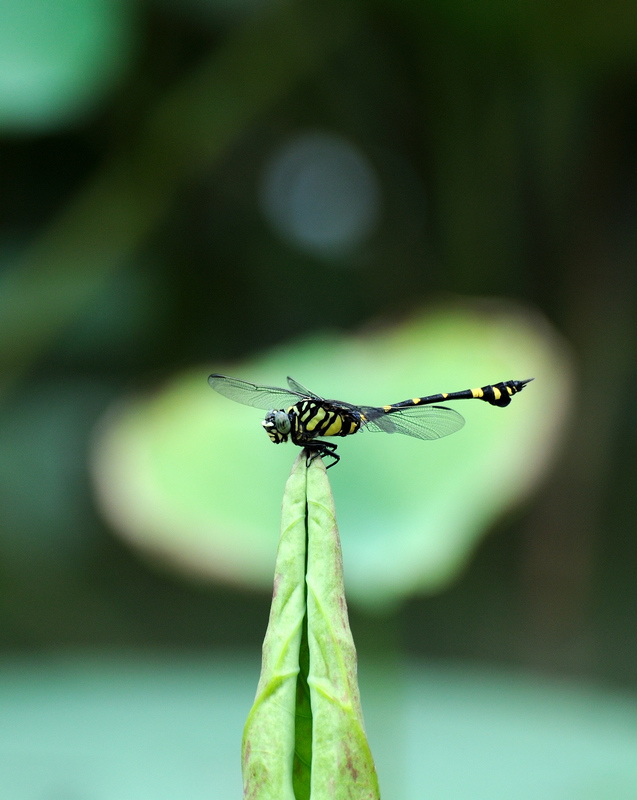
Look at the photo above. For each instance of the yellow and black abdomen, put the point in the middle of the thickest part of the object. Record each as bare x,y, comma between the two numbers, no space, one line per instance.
311,420
497,394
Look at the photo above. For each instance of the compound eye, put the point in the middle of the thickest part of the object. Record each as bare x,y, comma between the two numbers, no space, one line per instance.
282,422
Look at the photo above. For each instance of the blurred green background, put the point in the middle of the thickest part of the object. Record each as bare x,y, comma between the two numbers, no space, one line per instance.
381,199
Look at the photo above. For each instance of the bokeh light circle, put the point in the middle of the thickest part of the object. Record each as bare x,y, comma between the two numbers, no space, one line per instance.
321,193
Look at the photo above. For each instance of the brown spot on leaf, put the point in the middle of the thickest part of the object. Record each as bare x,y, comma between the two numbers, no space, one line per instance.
349,762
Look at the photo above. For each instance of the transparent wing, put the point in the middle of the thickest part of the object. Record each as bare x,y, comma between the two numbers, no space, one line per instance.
265,397
295,386
298,388
426,422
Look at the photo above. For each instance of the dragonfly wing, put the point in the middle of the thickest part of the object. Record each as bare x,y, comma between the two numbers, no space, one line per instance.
299,389
427,422
265,397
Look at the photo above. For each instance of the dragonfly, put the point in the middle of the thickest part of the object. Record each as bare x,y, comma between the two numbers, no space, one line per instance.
309,421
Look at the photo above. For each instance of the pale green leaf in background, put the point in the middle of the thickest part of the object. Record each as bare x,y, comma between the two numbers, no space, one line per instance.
167,472
153,726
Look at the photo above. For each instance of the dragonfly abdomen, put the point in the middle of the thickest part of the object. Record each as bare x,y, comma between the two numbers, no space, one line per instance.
497,394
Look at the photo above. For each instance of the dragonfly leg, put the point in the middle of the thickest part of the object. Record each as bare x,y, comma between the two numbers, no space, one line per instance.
322,449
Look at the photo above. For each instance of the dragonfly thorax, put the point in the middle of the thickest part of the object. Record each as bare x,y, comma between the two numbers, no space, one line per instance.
277,425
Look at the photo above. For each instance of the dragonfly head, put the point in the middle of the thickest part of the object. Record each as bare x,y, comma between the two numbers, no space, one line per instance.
277,426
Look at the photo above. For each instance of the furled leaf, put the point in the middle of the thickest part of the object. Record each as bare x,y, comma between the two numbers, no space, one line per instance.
304,738
269,736
342,764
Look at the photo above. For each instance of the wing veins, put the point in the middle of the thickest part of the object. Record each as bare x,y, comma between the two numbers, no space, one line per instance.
249,394
424,422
